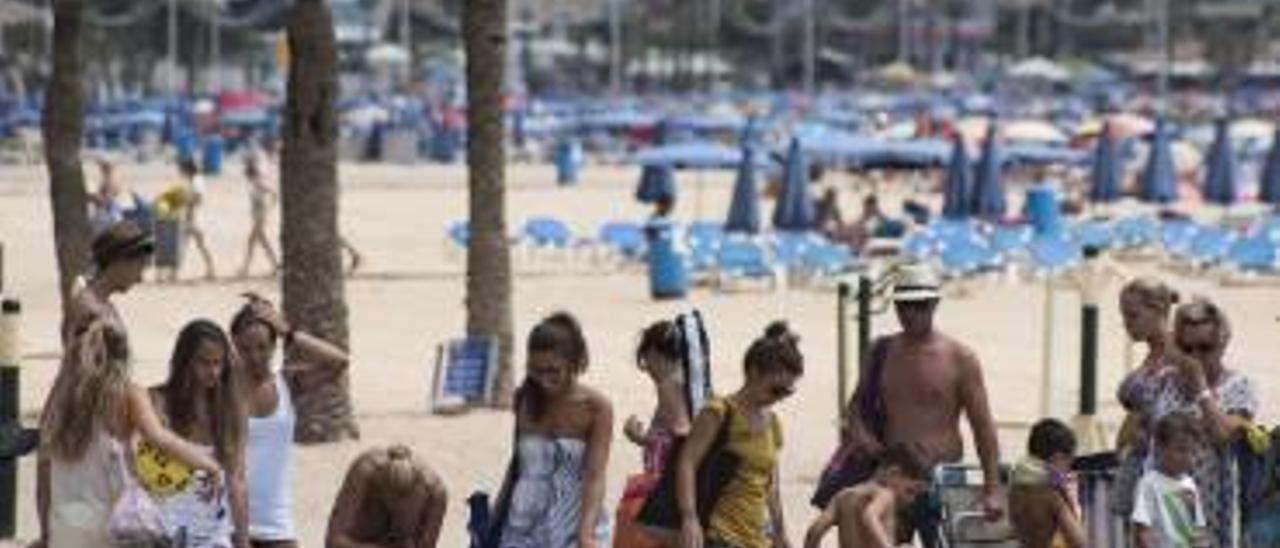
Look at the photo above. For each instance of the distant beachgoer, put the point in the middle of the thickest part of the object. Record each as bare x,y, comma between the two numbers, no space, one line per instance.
1145,305
658,355
748,511
827,214
261,198
1043,505
200,400
1169,511
867,514
257,329
914,389
194,201
563,433
389,499
105,207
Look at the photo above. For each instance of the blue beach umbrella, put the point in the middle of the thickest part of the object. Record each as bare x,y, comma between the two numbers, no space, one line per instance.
1269,193
1105,173
744,210
1159,183
955,188
987,200
657,181
794,211
1220,177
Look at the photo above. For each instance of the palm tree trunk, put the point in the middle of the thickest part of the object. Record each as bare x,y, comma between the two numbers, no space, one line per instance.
484,24
63,125
313,280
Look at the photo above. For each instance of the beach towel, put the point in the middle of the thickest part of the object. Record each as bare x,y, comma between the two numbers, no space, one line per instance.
852,464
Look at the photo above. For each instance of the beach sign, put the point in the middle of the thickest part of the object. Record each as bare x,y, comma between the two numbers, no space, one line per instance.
464,374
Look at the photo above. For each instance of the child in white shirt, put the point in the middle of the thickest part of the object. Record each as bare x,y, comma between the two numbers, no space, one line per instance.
1167,509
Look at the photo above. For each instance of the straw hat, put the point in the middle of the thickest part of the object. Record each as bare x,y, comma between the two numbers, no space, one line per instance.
917,283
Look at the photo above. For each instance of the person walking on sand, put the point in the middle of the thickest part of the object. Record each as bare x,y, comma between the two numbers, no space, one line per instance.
914,389
563,432
866,515
747,512
194,186
261,198
389,499
258,330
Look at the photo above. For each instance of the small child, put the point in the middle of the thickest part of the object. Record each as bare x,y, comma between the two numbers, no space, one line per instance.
1042,501
1167,510
866,514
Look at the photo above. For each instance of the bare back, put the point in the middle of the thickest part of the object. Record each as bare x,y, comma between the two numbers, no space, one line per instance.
851,504
923,394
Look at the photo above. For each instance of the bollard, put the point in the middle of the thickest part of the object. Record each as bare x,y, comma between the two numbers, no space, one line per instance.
10,310
1089,359
842,352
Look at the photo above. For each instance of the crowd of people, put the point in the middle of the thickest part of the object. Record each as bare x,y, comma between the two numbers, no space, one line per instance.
205,456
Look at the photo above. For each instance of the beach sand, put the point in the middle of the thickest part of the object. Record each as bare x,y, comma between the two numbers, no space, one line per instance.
408,298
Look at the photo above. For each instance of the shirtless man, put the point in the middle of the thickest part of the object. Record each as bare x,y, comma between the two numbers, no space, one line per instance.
866,515
926,381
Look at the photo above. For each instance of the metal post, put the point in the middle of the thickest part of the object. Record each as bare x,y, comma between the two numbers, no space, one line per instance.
10,309
1089,359
1046,357
864,318
842,350
215,46
1162,32
173,48
615,46
810,49
904,39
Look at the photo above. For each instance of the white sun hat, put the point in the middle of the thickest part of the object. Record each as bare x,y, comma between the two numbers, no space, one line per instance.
917,283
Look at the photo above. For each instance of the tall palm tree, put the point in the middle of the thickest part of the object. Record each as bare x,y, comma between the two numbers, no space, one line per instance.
484,30
63,125
314,297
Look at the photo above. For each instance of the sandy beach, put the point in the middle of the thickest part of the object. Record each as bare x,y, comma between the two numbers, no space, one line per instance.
409,297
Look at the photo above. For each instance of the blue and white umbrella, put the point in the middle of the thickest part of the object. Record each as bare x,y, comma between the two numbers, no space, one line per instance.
1105,174
744,210
955,188
987,200
1221,174
1159,184
794,210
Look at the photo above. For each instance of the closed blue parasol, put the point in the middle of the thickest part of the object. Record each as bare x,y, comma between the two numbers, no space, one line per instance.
794,211
1159,183
744,210
955,188
987,201
1270,191
656,183
1220,175
1105,175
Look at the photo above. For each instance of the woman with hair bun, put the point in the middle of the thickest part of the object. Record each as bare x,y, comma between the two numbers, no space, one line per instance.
562,437
389,499
748,510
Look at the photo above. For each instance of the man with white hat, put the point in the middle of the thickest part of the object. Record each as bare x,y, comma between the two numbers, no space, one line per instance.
915,387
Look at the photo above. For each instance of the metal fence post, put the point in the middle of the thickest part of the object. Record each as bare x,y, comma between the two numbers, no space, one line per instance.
10,311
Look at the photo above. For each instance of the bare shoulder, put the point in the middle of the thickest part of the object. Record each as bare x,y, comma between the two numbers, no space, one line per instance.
964,355
593,398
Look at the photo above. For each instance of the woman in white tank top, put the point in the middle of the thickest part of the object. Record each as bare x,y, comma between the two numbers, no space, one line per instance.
256,328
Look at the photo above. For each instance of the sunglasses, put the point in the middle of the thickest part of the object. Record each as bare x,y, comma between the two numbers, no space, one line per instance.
1199,349
915,305
782,391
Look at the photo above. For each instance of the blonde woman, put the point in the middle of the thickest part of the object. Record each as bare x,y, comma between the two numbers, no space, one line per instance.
200,401
90,419
389,499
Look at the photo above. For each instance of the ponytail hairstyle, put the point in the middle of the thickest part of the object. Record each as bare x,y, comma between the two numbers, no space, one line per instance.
559,334
1152,294
777,351
397,473
661,338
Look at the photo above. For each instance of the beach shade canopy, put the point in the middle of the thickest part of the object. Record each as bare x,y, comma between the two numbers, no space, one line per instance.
1269,193
987,200
1105,173
1041,154
1159,184
744,210
955,187
694,155
1220,175
794,211
656,183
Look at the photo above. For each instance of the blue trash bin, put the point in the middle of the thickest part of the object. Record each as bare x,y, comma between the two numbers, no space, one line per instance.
184,143
212,159
667,277
568,160
1043,211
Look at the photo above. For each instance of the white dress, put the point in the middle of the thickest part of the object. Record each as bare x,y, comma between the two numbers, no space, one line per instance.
83,493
